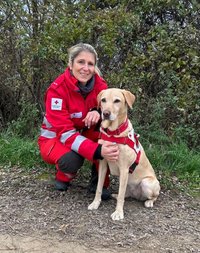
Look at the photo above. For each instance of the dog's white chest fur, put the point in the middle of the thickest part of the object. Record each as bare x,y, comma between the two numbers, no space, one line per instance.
126,159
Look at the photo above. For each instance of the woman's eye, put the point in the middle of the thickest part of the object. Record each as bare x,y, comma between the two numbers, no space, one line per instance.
81,62
90,64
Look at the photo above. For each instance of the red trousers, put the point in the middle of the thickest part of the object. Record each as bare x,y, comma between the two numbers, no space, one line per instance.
52,150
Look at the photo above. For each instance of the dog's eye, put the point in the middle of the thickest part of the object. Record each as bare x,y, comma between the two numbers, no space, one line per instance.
117,101
103,100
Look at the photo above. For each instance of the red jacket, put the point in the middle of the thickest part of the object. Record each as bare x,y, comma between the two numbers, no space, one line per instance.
65,110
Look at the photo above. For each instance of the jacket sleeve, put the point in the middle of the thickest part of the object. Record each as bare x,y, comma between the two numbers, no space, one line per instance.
58,121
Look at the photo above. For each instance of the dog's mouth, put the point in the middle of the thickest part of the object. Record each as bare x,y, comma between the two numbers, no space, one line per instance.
106,123
107,119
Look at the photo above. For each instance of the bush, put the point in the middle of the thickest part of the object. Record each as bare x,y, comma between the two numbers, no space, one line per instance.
27,123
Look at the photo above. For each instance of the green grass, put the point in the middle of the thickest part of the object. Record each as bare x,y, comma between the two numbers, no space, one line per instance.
175,164
15,151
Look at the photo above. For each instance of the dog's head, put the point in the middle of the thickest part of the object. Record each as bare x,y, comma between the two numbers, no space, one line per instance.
114,103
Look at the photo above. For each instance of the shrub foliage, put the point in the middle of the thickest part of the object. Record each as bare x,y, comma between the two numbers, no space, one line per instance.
149,47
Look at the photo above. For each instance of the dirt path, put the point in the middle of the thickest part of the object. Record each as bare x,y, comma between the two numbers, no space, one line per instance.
36,218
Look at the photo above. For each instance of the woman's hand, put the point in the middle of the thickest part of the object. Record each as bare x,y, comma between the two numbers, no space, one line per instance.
109,150
91,118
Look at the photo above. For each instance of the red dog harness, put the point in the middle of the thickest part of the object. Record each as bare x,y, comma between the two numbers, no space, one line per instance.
131,140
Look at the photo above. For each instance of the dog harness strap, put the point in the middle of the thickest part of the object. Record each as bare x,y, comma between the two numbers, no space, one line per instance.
119,140
133,166
125,141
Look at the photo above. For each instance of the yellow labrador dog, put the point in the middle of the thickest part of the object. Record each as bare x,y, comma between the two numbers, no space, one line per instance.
137,178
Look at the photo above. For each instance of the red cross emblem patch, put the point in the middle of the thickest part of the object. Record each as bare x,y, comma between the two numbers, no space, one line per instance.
56,104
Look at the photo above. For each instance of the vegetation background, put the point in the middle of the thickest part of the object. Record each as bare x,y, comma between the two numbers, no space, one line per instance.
149,47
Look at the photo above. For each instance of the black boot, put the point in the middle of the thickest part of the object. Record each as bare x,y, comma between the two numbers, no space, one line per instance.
106,194
61,186
93,180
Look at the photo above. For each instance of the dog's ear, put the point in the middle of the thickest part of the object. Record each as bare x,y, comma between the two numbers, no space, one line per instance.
129,97
99,98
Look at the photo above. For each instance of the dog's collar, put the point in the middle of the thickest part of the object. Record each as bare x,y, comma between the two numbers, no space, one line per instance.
131,140
119,130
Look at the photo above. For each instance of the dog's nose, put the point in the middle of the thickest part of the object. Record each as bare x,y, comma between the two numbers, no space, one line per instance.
106,114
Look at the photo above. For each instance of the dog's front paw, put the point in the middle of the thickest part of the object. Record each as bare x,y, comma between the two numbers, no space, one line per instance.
117,215
148,203
94,205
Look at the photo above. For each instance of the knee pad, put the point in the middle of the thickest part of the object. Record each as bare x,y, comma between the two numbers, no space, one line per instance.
70,162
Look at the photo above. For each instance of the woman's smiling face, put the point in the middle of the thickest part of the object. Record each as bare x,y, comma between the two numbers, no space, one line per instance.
83,66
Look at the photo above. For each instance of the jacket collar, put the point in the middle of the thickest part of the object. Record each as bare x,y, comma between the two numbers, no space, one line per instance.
73,82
